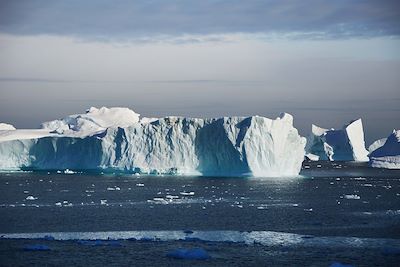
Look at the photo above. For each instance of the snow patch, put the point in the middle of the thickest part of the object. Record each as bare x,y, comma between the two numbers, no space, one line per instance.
6,127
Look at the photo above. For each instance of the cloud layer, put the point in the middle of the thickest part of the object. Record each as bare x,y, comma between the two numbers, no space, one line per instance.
123,19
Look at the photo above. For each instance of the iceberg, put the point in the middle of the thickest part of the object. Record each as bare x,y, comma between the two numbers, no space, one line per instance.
115,139
346,144
387,155
376,144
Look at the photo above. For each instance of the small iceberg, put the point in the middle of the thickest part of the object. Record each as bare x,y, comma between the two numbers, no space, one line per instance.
189,254
187,193
68,171
356,197
31,198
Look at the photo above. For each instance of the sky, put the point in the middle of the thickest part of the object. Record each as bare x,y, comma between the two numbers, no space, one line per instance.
325,62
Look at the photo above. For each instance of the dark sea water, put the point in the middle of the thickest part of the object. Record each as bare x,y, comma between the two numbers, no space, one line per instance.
341,212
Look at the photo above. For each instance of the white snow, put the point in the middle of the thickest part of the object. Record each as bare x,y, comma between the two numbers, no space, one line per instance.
388,155
356,197
376,144
93,121
6,127
312,157
344,144
68,171
114,138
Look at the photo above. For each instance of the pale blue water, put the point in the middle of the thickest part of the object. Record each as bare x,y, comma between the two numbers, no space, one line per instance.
336,212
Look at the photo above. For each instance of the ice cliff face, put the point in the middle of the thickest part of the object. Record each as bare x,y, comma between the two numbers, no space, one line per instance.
254,146
344,144
388,154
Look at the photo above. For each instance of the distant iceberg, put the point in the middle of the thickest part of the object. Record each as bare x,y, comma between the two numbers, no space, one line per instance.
116,139
345,144
386,155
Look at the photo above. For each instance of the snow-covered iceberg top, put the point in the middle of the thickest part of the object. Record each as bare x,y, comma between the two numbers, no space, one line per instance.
115,139
388,154
345,144
93,121
6,127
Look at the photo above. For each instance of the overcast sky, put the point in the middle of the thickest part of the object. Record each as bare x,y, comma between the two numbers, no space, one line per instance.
326,62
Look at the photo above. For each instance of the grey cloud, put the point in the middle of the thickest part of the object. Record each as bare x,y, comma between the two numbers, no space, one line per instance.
123,19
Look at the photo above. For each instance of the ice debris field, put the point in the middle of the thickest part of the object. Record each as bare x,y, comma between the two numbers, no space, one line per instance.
117,139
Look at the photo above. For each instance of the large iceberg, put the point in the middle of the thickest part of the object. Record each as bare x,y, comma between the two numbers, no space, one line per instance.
115,139
346,144
388,154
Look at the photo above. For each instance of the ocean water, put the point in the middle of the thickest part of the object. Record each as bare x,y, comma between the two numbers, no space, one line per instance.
333,212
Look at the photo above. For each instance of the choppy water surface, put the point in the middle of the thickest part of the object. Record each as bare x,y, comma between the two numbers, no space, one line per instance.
336,212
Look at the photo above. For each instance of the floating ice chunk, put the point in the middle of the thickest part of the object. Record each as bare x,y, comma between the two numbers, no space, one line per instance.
189,254
360,178
110,188
58,204
31,198
140,185
171,197
356,197
103,201
68,171
36,247
187,193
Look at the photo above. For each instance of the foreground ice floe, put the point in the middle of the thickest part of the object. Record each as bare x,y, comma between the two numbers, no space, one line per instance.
115,139
266,238
344,144
388,154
